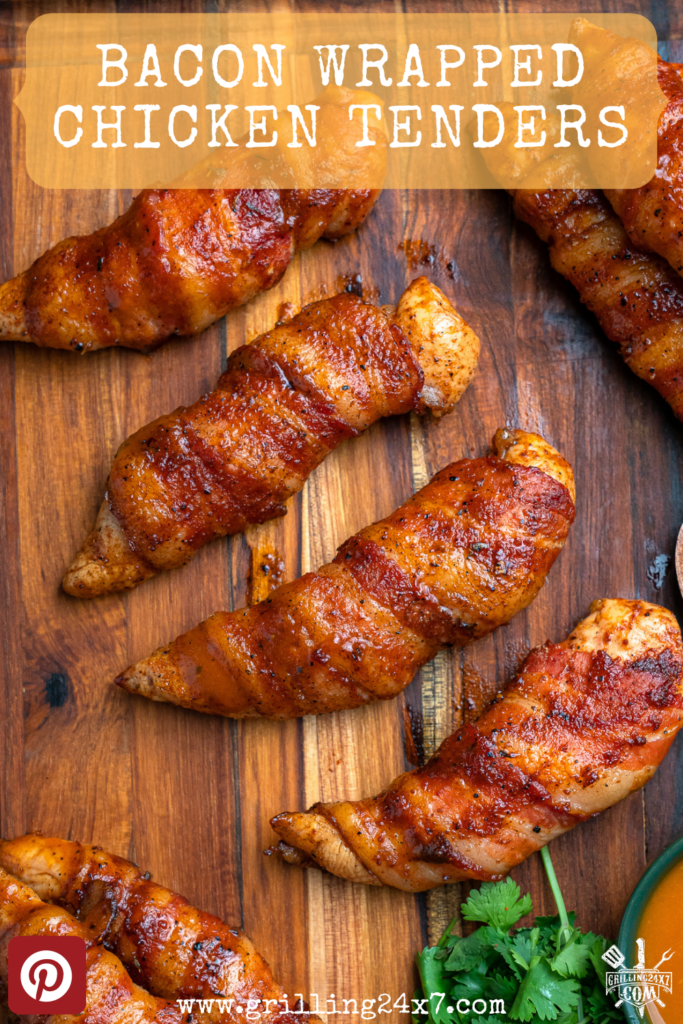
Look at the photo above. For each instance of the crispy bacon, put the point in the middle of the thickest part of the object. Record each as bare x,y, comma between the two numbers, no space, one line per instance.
169,948
585,723
653,213
111,995
457,560
179,259
636,296
284,402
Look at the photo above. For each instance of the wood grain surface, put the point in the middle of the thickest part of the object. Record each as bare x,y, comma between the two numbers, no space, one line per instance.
188,796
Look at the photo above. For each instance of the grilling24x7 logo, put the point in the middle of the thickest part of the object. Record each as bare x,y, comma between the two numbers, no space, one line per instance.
46,974
639,986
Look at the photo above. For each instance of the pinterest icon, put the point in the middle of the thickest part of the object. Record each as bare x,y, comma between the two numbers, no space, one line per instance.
46,975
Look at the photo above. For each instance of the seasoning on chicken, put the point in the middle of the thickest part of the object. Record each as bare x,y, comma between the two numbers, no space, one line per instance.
170,948
283,404
653,213
454,562
636,296
179,259
585,723
111,996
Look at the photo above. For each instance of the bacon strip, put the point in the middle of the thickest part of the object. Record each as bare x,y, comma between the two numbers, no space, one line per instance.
283,404
457,560
585,723
636,296
171,949
179,259
653,213
111,996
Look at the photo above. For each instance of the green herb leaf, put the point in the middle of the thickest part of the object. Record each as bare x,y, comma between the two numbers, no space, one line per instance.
430,964
574,958
542,992
467,953
499,904
549,972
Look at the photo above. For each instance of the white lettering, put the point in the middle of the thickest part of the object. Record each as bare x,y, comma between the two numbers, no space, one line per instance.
529,126
227,48
379,64
298,118
181,109
560,49
101,126
442,117
262,56
612,124
150,66
404,126
106,64
332,60
483,64
78,112
525,65
487,108
564,108
413,68
260,126
147,143
219,122
445,65
188,48
366,140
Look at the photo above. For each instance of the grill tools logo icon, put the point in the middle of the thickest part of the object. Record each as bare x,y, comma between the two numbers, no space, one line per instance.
639,985
46,974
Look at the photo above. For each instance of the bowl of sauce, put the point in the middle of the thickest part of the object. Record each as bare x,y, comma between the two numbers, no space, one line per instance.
651,942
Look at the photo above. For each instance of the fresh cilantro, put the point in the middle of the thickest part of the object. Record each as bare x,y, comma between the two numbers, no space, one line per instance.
550,972
542,992
574,958
467,953
499,904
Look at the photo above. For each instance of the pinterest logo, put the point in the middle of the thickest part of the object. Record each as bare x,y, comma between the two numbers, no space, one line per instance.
46,974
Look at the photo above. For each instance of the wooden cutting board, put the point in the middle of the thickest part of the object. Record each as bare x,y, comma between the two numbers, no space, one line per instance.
188,796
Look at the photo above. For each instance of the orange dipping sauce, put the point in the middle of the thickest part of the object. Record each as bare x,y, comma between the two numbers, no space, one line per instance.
661,926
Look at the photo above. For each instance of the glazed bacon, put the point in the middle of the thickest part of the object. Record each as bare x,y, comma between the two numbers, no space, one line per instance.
179,259
653,213
636,296
457,560
283,404
169,948
585,723
111,995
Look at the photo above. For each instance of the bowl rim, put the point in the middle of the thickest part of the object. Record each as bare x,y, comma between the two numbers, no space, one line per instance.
636,905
